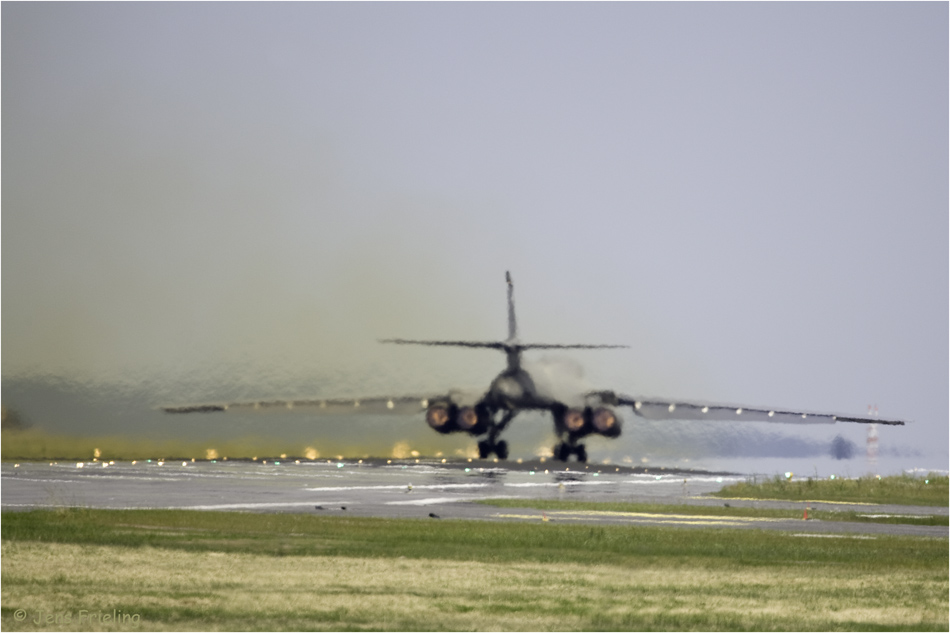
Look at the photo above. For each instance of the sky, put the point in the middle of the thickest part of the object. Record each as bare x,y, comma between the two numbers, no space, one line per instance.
207,201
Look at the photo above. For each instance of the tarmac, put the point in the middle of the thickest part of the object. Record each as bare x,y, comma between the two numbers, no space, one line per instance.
422,489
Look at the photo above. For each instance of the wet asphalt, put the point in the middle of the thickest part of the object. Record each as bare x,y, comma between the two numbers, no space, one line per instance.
428,489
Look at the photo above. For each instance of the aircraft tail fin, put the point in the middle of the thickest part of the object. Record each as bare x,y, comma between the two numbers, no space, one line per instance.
512,323
511,345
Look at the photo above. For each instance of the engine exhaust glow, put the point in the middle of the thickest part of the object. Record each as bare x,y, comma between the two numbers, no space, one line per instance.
467,419
437,417
573,420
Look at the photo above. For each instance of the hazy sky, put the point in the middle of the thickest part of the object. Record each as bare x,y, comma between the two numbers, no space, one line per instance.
753,196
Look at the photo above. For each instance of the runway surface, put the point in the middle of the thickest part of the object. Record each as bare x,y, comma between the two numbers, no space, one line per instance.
422,489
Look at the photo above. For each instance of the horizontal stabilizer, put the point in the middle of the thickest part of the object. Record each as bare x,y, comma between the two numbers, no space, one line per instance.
500,344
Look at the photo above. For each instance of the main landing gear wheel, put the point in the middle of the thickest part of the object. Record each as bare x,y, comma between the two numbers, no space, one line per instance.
563,452
486,448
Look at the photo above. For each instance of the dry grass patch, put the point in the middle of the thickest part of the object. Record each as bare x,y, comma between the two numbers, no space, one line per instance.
178,590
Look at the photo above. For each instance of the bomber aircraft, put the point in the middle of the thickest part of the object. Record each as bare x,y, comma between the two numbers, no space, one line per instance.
576,415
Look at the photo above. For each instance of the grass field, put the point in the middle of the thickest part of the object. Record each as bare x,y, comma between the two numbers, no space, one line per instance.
180,570
901,490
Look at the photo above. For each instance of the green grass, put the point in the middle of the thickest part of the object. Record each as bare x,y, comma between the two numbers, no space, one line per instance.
719,511
37,445
187,570
307,535
932,490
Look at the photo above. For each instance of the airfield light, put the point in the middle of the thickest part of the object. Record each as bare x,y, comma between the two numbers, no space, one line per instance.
79,465
296,461
184,463
276,463
16,465
389,461
263,462
283,455
468,470
718,480
788,475
739,411
339,465
705,409
96,452
530,472
926,481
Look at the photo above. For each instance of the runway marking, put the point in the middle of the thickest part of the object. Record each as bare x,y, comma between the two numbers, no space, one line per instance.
839,503
555,484
635,517
427,501
397,487
901,516
860,536
253,506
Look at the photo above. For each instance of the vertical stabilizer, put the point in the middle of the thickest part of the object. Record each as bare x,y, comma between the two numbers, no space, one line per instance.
512,324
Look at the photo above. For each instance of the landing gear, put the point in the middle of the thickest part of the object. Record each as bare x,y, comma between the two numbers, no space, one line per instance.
486,448
564,450
492,444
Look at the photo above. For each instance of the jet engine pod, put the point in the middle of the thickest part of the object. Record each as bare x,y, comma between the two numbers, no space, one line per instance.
472,420
571,421
442,416
604,421
574,420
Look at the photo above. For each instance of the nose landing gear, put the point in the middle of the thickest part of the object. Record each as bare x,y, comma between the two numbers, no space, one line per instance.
486,448
564,450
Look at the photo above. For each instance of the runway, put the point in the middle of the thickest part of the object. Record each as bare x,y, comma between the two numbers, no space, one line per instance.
424,489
